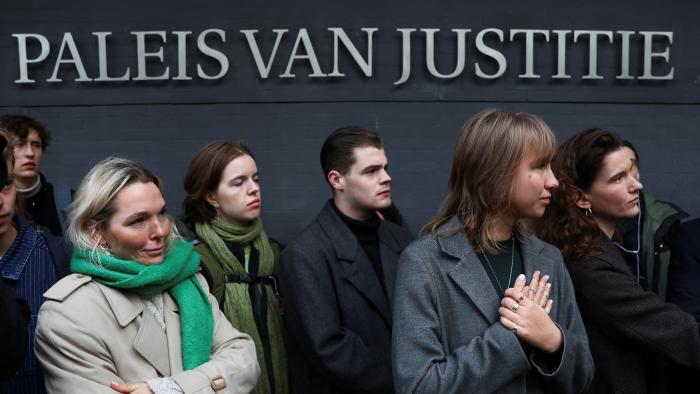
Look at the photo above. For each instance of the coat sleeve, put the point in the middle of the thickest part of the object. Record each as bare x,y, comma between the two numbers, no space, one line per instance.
684,270
571,369
13,331
313,322
74,359
233,358
421,364
617,304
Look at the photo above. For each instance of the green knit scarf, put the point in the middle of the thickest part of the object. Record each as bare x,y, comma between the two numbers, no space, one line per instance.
237,304
176,275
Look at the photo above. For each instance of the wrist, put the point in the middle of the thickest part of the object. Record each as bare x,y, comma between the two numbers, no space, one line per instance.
556,340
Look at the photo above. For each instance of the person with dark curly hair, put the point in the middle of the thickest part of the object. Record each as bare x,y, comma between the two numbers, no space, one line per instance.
633,334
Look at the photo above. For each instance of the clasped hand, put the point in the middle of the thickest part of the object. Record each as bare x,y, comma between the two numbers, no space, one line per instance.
525,311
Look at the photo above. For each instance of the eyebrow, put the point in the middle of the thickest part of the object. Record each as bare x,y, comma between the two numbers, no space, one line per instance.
372,168
139,214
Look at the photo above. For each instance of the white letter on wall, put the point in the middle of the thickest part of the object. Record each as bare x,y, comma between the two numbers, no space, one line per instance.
365,65
529,49
263,69
561,54
406,55
22,54
430,52
213,53
74,59
182,56
102,56
142,55
593,49
490,52
303,38
648,54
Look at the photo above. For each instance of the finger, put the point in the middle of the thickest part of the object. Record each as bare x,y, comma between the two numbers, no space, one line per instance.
122,388
548,308
533,283
508,314
515,293
510,303
511,325
543,291
519,282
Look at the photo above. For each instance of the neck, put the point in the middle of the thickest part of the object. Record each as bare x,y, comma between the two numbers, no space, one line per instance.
350,211
504,228
608,228
26,183
7,239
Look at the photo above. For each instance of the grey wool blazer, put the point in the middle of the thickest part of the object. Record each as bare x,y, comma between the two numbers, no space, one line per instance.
447,336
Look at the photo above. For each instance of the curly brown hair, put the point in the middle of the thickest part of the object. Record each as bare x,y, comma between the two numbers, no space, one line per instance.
576,164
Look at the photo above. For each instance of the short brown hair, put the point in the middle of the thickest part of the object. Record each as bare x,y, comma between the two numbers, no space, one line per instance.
20,125
488,149
203,176
337,152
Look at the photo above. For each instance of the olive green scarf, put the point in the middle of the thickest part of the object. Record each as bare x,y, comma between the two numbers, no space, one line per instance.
236,299
176,275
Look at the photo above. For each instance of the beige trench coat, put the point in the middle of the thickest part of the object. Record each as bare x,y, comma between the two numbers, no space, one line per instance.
89,335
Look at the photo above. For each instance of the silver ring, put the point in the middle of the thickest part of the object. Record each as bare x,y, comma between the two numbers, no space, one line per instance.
521,297
546,295
515,307
515,329
531,291
542,306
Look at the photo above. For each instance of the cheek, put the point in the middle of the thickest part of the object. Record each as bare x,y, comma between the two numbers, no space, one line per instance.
127,241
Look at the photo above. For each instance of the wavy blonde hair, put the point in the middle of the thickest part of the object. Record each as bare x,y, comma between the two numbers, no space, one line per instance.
488,150
93,204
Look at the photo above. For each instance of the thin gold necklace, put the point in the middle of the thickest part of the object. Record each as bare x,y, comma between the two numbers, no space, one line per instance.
512,260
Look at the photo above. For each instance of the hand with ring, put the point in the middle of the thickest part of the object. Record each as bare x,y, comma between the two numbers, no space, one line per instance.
527,319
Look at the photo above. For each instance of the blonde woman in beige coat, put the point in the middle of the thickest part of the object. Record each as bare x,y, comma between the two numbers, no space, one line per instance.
134,317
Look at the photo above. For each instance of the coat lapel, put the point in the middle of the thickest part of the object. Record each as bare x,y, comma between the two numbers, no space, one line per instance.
469,274
357,268
389,251
150,339
171,314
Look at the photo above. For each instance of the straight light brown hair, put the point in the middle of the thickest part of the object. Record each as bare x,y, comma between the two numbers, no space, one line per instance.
489,148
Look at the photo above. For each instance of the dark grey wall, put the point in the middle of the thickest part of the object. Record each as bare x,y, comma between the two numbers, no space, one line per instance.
162,124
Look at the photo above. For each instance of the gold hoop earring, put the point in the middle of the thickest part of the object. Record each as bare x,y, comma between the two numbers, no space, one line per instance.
589,212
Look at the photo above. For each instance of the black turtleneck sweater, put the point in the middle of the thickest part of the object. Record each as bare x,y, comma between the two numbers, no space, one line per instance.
366,233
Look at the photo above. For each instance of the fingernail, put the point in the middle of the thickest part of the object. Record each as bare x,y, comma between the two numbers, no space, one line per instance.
546,277
548,285
521,276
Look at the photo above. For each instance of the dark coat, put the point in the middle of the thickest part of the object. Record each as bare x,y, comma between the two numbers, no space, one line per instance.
447,332
633,334
684,270
14,331
337,317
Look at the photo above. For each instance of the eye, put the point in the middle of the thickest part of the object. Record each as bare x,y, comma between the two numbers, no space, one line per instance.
136,221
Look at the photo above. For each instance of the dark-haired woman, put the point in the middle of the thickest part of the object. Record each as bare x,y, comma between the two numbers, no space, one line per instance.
222,204
633,334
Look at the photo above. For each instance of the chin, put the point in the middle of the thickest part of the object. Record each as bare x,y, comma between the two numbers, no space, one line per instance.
151,260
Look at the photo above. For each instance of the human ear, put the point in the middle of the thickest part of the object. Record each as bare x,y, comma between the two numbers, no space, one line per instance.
336,180
211,200
583,200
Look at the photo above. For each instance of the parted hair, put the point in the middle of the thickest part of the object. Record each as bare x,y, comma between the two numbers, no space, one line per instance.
203,176
19,125
337,152
93,204
489,148
576,164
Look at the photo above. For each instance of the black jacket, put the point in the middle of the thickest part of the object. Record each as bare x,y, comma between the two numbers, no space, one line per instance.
633,335
337,317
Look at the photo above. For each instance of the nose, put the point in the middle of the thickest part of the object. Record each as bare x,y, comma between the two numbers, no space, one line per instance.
636,185
254,187
551,181
160,228
385,177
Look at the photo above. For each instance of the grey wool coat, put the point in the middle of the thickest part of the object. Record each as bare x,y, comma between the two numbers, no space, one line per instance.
447,336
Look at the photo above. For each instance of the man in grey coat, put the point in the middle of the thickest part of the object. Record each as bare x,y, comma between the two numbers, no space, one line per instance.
337,277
